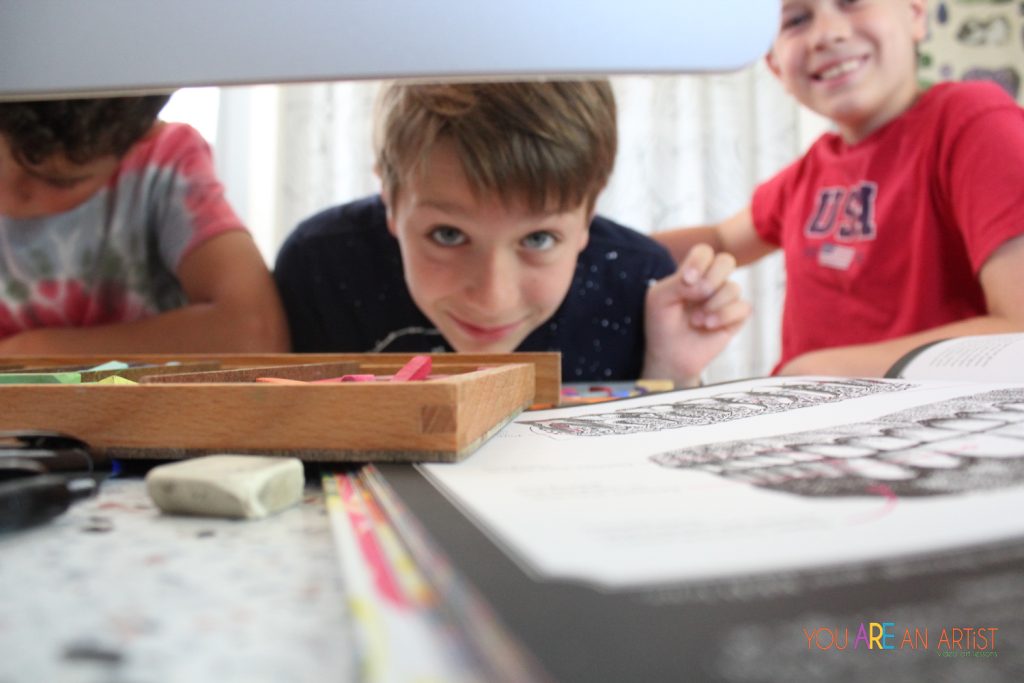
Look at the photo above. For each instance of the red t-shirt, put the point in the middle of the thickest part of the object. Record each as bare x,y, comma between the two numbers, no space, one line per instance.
886,237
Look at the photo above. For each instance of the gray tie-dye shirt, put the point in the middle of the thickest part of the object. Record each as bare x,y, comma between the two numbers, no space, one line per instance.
114,257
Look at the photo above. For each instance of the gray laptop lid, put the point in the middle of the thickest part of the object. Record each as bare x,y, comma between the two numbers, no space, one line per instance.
65,47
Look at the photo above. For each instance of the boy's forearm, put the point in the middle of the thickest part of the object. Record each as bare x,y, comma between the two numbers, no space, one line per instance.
197,328
874,360
679,241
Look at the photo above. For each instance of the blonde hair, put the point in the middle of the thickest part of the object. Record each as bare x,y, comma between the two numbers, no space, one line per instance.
551,144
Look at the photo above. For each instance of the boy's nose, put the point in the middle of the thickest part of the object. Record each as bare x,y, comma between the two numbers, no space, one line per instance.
493,283
829,27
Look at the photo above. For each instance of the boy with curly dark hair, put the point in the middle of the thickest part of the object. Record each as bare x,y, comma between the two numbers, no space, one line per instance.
116,237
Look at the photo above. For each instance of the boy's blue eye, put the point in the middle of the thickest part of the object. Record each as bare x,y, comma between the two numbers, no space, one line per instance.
794,20
540,240
447,236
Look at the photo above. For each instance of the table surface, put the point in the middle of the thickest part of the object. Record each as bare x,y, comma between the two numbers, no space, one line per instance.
113,590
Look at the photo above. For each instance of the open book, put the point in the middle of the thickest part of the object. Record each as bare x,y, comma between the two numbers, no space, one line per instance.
995,358
697,530
773,474
687,533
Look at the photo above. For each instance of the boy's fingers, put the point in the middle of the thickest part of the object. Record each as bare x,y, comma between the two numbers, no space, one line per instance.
719,270
703,271
704,299
736,313
725,295
668,291
730,315
696,263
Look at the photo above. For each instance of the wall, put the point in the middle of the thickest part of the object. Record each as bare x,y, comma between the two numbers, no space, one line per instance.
975,39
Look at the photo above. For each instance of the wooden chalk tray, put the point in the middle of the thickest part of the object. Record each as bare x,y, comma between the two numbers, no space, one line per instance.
174,415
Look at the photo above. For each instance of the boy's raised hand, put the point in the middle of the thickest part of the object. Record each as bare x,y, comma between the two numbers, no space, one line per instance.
691,315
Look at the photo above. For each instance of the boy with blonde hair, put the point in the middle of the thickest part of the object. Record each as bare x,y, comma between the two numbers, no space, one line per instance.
903,227
484,239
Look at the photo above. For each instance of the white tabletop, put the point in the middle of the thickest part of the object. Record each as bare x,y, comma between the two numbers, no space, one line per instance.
115,591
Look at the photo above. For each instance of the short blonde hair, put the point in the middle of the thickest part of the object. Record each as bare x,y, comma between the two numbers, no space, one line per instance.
551,144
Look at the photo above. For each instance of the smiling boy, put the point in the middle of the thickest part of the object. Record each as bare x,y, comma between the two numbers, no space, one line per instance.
484,240
902,227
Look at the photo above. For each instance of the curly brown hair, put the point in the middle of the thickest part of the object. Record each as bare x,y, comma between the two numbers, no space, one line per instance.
540,141
80,129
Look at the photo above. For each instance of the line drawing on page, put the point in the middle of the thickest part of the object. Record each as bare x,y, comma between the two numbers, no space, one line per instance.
708,410
968,444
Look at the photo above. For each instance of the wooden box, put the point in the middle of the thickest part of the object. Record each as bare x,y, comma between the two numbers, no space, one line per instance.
441,419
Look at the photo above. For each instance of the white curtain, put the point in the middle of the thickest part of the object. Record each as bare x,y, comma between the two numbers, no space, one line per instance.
691,150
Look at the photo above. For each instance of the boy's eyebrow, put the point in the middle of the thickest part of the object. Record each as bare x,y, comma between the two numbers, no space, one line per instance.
456,208
442,205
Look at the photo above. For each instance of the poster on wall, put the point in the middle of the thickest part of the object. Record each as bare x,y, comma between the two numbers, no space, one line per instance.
975,40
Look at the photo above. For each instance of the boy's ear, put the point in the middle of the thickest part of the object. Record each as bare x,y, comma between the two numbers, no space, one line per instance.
773,65
586,230
385,197
919,16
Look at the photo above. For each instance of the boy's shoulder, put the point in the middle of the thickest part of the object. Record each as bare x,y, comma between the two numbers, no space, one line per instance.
353,224
606,234
947,111
165,144
969,91
342,220
965,99
616,249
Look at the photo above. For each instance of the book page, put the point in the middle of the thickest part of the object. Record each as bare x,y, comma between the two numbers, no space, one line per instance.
766,475
983,358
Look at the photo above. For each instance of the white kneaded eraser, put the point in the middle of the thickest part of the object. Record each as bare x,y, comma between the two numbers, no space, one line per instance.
239,486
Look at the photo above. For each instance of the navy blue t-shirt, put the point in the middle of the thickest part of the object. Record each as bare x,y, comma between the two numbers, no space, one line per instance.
341,280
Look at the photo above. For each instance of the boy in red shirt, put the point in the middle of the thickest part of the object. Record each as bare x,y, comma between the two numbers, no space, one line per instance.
903,227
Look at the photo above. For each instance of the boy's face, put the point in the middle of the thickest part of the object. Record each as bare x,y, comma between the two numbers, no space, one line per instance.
852,61
50,188
485,274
